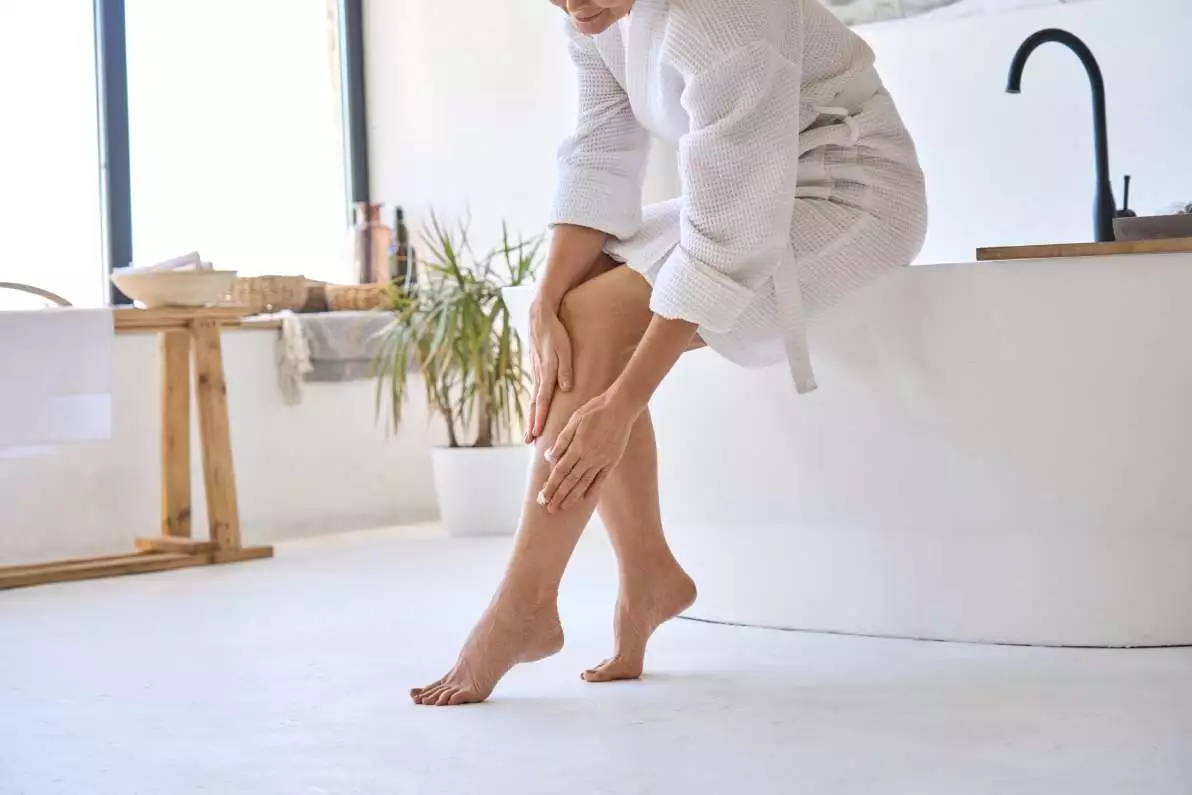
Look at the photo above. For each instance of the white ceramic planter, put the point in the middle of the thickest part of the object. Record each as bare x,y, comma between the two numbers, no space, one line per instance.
481,491
518,300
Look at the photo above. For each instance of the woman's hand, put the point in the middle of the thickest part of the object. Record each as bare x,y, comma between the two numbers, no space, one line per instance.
595,439
588,448
551,347
573,251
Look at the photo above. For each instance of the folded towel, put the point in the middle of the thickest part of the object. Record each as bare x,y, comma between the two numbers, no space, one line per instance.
293,358
186,262
56,368
332,346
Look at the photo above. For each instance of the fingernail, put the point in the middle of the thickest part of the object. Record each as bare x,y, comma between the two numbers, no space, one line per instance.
549,455
542,498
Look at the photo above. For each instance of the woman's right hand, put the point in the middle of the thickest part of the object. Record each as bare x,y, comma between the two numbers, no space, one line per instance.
574,253
551,350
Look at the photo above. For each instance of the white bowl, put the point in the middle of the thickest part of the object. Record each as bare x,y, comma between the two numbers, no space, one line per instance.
156,289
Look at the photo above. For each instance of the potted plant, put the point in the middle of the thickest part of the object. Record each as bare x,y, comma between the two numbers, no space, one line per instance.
453,329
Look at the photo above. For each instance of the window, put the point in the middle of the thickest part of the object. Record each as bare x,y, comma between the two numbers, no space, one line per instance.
236,134
50,217
235,126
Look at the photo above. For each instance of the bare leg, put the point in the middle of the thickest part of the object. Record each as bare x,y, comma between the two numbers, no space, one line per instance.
606,317
653,587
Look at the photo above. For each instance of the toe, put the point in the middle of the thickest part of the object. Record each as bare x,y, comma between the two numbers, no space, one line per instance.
614,670
417,691
596,674
429,697
445,696
460,697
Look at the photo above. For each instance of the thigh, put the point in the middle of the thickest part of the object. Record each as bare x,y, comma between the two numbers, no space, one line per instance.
604,264
610,311
611,308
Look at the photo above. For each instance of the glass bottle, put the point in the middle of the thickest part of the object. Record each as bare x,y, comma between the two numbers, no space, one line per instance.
401,270
370,245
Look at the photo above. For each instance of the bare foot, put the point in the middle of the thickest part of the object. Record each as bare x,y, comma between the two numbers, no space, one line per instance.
510,632
641,609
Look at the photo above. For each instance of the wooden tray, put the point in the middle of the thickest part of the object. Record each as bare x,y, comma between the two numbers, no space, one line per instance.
1175,245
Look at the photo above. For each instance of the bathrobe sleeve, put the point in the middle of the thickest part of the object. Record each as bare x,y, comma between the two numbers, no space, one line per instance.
603,163
739,166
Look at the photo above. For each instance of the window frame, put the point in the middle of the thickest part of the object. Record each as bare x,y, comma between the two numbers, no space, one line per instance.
115,159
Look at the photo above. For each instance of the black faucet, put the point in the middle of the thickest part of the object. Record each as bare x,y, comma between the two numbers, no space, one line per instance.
1105,205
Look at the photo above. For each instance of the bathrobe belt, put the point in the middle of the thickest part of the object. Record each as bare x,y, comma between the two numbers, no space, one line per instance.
788,291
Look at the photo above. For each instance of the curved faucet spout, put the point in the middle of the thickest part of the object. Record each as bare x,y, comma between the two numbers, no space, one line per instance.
1105,205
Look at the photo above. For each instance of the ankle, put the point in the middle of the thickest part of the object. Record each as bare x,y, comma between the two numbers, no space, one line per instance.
652,555
528,597
650,566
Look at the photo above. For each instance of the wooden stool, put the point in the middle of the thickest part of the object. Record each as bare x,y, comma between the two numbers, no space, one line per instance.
184,332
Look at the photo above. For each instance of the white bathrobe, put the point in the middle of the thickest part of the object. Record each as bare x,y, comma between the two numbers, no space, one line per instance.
800,182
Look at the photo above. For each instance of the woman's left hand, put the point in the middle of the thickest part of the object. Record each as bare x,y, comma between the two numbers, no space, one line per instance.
586,451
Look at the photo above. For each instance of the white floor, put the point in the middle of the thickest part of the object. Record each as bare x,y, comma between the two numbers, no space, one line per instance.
289,677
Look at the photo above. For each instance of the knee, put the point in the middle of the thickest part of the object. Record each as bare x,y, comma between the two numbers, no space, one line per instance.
598,342
605,318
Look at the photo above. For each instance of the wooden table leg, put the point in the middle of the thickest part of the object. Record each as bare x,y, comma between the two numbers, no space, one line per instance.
186,331
215,435
175,434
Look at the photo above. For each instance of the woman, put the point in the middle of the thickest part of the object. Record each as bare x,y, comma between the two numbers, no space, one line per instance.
800,184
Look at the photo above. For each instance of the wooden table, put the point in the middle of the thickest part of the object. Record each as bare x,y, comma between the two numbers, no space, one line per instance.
185,333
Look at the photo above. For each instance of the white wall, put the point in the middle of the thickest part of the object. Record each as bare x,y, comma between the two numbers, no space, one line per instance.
318,467
468,102
469,99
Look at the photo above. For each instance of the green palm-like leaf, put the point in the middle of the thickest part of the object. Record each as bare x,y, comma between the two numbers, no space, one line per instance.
454,329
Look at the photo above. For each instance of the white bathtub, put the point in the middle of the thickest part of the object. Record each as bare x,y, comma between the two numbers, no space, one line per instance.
997,453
